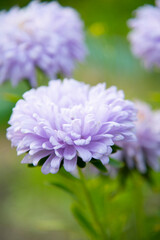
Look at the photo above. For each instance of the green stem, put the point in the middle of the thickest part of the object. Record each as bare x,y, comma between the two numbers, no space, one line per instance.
138,204
91,206
42,79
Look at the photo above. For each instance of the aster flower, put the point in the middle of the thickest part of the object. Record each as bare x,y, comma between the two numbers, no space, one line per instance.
43,35
145,34
145,152
70,119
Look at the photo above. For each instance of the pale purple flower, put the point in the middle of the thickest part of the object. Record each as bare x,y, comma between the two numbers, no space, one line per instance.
40,35
69,119
145,35
145,152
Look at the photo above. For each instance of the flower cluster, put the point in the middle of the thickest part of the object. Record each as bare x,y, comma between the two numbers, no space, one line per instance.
69,119
43,35
145,34
145,152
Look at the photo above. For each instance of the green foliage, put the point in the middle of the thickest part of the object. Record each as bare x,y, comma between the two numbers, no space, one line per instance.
28,200
82,219
42,79
115,163
63,187
68,175
80,163
98,164
115,148
13,98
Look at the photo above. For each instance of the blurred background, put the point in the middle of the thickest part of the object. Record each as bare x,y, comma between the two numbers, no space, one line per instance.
32,209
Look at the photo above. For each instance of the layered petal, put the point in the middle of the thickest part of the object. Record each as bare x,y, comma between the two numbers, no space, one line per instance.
62,121
53,45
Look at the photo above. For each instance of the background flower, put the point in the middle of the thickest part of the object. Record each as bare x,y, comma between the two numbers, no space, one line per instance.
69,119
43,35
145,152
145,34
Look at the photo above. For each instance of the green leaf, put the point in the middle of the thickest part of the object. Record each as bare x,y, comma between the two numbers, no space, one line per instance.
30,165
63,187
80,163
83,221
115,148
67,175
115,163
13,98
42,79
99,165
42,161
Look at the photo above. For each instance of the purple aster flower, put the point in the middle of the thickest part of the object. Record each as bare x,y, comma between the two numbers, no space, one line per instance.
145,34
70,119
145,152
43,35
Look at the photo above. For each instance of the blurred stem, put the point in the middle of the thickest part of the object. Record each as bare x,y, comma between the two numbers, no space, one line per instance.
138,204
42,79
28,85
91,206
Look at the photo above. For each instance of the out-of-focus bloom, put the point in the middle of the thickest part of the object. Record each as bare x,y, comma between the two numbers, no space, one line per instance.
145,152
69,119
43,35
145,34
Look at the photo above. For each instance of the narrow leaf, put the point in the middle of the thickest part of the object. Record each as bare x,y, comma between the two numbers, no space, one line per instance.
115,148
99,165
80,163
115,163
42,161
13,98
67,175
63,187
83,221
30,165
